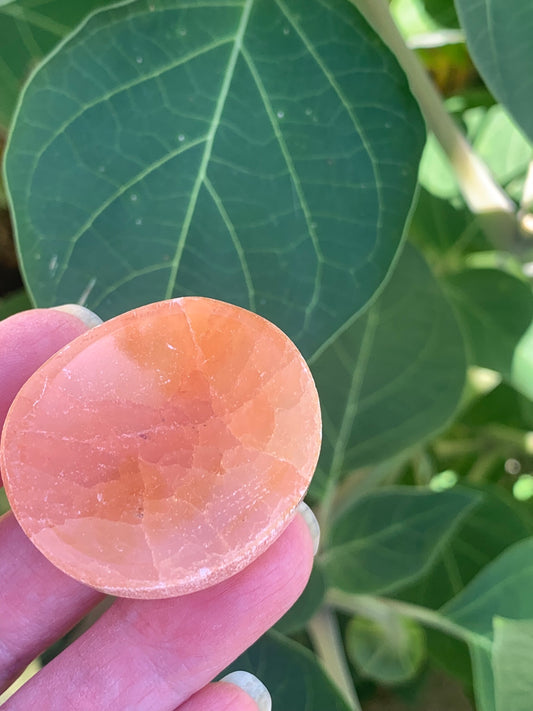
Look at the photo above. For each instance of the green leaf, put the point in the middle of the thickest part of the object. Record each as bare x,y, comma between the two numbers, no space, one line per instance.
502,589
502,675
495,309
292,675
522,367
499,143
390,537
411,17
442,11
306,605
13,303
483,678
494,524
511,662
166,149
29,29
450,654
390,650
501,648
501,406
4,503
392,378
496,312
439,228
498,35
423,17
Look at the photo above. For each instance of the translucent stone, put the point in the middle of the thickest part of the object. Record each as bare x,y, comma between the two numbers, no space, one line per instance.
163,451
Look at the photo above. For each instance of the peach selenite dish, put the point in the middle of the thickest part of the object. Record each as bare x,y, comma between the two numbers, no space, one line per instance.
163,451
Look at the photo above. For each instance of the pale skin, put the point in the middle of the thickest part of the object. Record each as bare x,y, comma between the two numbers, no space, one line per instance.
148,655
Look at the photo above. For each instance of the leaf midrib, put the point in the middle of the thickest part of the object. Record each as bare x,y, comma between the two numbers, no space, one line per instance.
355,545
211,134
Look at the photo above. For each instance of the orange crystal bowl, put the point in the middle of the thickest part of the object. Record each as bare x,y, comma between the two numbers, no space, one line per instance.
163,451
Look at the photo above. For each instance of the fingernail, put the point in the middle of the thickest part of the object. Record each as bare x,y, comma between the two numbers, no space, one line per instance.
312,524
86,316
253,687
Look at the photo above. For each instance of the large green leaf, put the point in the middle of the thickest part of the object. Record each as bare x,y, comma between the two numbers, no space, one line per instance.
495,309
494,524
392,378
391,536
263,152
292,675
499,34
511,662
29,29
502,589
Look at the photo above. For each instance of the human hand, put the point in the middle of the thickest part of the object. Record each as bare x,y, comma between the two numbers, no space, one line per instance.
141,655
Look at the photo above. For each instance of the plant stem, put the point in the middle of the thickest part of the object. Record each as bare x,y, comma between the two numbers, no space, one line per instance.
368,605
481,192
325,636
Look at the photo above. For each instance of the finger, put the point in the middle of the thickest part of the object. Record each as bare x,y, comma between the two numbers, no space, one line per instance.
38,603
154,654
28,339
239,691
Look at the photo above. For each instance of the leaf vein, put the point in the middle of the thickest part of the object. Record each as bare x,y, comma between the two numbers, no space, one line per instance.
235,239
226,84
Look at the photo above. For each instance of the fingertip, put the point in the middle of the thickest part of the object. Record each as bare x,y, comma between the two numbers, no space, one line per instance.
228,695
252,686
82,313
27,340
312,524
